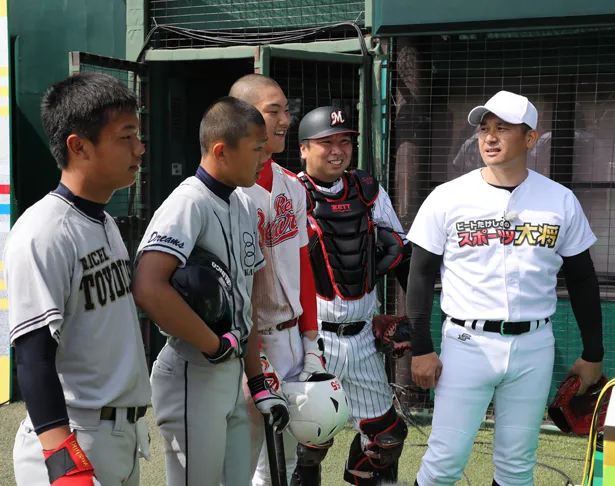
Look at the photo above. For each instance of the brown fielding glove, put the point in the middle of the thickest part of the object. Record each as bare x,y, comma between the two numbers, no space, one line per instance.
392,334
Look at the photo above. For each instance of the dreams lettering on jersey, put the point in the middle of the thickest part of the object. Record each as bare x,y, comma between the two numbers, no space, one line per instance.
103,280
157,238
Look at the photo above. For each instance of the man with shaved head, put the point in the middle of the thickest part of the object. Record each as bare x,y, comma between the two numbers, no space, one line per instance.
248,88
285,293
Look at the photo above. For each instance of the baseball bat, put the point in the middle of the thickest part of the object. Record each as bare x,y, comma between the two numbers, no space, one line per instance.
281,458
272,455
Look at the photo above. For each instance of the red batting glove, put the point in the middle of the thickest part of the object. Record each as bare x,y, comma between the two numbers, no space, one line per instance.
67,465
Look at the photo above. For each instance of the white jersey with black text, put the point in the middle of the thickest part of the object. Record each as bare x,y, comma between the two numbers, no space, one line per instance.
501,251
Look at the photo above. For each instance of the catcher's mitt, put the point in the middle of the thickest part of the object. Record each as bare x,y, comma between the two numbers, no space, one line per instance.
392,335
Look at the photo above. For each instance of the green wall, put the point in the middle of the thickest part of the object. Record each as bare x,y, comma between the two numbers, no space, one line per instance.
42,33
448,16
246,14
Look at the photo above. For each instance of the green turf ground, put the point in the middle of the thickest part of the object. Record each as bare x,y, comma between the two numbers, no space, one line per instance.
564,453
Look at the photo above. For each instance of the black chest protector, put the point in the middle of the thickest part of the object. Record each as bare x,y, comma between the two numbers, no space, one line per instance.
343,245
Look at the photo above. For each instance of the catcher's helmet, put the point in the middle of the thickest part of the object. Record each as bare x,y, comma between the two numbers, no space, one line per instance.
574,413
205,284
318,408
324,122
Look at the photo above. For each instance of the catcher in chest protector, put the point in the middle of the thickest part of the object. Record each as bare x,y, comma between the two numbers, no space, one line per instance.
355,238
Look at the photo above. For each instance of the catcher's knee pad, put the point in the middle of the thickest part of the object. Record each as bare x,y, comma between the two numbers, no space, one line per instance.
309,458
378,460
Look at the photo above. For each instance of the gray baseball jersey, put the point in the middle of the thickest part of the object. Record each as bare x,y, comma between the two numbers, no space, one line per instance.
194,216
71,272
200,407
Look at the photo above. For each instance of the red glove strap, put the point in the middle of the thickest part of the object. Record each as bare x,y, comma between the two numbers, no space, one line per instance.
68,460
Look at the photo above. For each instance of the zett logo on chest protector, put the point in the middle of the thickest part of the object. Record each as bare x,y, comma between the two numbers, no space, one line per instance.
345,210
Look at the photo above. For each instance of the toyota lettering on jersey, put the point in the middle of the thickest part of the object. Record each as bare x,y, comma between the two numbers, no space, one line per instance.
284,225
104,279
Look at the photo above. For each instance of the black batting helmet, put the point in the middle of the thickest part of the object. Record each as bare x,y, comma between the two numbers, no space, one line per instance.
324,122
205,284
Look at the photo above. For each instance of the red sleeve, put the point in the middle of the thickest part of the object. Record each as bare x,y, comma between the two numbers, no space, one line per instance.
307,296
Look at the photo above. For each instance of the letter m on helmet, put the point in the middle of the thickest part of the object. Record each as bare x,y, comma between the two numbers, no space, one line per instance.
337,117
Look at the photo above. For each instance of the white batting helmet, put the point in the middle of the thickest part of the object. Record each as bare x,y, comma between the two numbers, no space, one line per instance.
318,408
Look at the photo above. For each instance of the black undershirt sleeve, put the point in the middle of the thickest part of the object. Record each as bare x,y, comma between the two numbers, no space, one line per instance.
584,292
35,355
424,269
402,270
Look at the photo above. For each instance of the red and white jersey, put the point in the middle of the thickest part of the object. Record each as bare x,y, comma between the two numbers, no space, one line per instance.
282,226
339,310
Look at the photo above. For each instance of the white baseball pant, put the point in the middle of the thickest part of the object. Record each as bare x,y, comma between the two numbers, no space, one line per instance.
477,366
284,349
361,370
201,411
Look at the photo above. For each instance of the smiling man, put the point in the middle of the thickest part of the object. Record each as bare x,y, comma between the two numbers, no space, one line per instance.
498,235
284,291
349,214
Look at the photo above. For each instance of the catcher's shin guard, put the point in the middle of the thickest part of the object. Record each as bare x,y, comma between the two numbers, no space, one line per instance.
379,460
309,458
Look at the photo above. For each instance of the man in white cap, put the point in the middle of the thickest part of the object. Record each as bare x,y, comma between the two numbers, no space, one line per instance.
498,236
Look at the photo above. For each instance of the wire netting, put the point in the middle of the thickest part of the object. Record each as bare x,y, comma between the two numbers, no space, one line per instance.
308,85
570,77
198,23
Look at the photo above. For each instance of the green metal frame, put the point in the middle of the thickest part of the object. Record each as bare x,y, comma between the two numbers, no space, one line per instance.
347,51
308,55
136,19
204,54
316,51
261,61
369,12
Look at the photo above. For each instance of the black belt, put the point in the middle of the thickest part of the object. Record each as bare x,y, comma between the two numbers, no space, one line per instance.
287,324
132,414
505,328
346,329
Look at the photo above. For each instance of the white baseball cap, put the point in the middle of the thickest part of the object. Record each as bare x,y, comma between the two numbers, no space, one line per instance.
510,107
